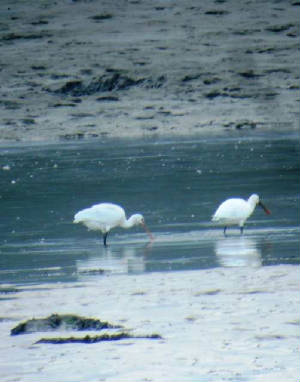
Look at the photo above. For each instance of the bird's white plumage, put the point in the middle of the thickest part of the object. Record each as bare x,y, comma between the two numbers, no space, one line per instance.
236,211
105,216
102,217
233,211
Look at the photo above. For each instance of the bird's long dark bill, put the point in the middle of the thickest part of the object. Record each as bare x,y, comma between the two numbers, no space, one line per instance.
148,232
268,212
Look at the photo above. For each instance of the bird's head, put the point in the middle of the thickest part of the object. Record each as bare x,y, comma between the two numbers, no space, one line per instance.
138,219
254,199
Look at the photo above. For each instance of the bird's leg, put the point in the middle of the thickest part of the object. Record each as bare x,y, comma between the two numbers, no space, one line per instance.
225,228
242,229
104,238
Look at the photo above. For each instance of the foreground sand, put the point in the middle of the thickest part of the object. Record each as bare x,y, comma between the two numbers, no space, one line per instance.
225,324
87,69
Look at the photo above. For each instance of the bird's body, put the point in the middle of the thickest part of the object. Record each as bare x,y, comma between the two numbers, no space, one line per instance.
106,216
236,211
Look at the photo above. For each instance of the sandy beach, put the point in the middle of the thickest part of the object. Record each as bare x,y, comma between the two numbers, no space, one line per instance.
88,69
225,324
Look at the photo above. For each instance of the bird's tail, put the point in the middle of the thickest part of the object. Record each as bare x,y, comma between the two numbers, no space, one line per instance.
78,218
214,218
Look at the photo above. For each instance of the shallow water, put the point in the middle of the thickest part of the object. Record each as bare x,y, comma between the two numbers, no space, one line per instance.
176,184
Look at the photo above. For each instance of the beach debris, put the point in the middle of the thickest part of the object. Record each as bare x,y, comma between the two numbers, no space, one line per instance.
61,322
56,322
93,339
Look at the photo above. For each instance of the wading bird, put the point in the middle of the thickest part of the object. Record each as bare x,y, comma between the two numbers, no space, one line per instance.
105,216
236,211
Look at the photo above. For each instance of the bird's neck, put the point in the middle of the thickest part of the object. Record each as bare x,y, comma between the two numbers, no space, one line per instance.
252,205
128,223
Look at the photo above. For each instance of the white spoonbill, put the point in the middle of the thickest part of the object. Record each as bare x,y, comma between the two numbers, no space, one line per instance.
236,211
105,216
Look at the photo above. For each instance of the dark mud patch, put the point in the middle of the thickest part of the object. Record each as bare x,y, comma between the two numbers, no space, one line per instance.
94,339
10,104
80,136
279,28
58,322
216,12
92,272
101,17
25,36
8,290
106,83
8,293
108,99
243,124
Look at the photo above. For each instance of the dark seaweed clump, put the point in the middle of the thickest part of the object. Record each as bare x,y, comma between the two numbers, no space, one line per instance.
57,321
94,339
73,322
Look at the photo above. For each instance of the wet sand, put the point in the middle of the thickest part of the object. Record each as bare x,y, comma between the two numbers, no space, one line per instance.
89,69
229,324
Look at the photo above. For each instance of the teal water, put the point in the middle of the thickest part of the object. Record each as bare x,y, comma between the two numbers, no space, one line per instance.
175,184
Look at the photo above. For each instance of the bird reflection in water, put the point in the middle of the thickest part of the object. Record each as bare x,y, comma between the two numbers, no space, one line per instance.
238,252
128,259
